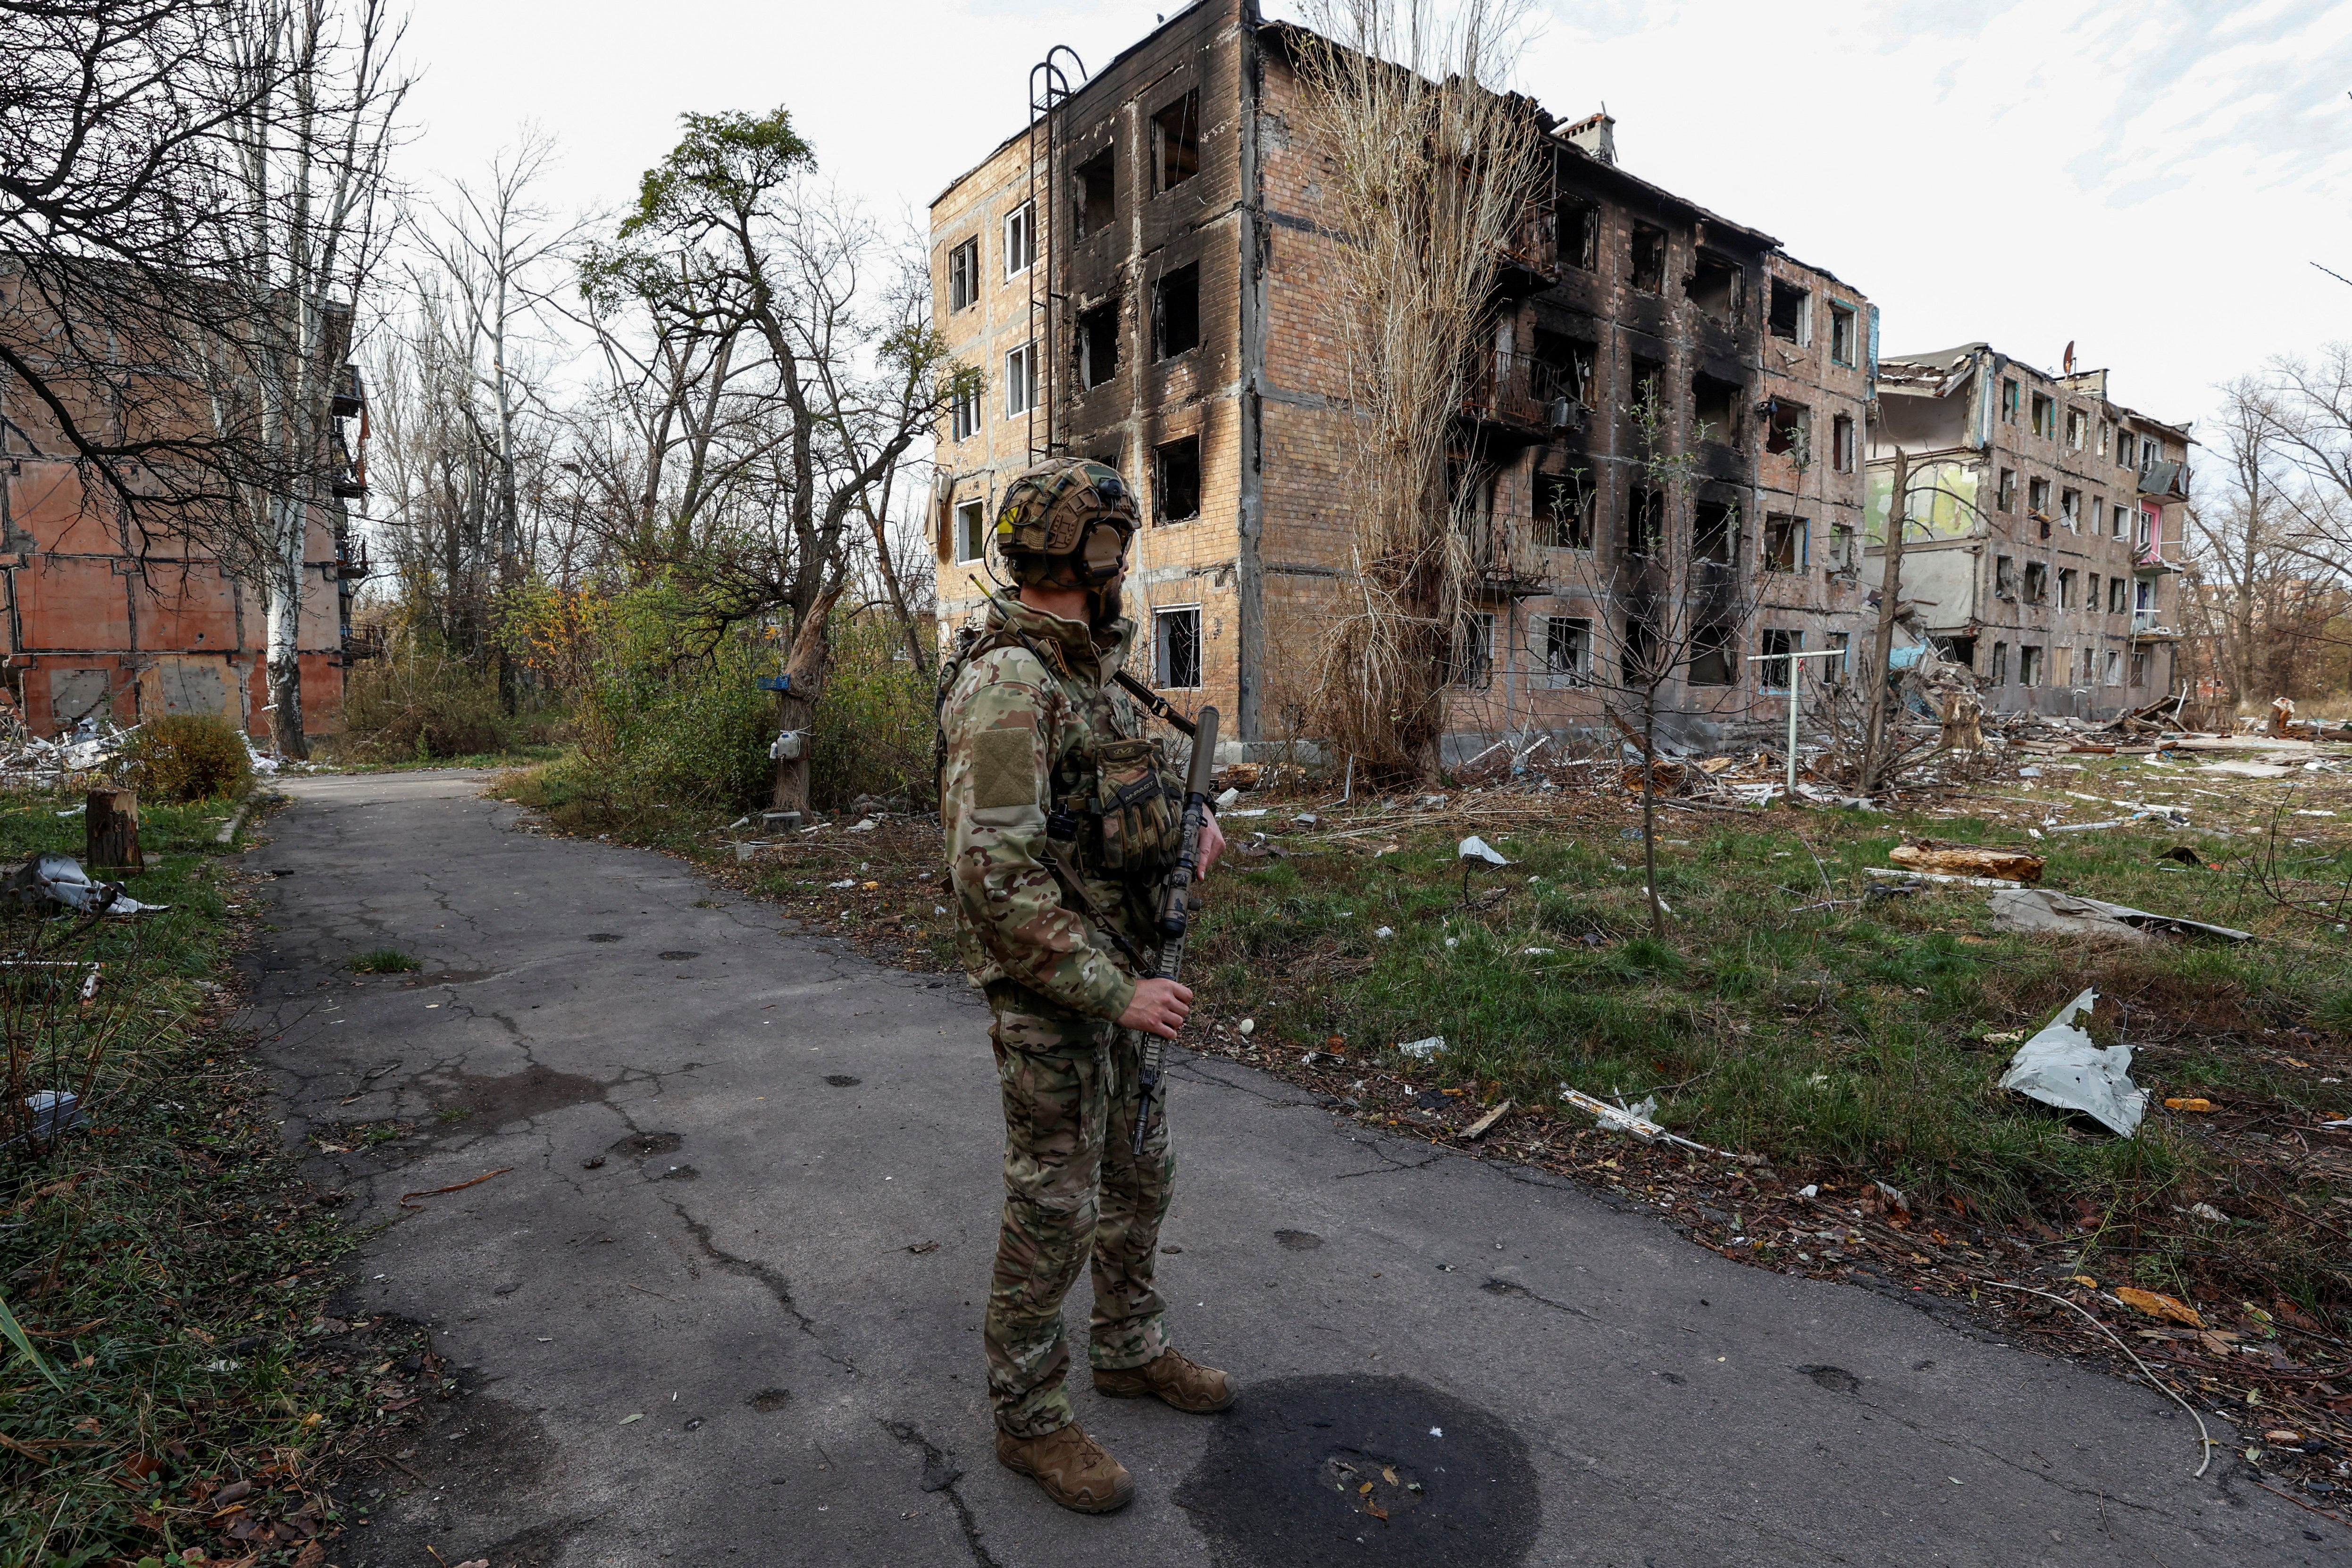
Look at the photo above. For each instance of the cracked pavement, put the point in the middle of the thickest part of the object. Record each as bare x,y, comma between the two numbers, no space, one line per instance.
750,1193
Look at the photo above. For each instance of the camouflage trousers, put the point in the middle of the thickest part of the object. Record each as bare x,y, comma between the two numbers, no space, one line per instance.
1073,1190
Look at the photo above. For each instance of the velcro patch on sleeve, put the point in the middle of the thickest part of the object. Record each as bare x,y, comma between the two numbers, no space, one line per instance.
1003,768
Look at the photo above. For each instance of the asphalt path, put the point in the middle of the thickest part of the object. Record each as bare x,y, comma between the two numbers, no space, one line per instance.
723,1305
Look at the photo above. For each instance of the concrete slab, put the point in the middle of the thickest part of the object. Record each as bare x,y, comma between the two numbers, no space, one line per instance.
777,1270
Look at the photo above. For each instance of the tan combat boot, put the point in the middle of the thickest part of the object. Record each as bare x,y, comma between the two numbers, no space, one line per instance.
1075,1471
1186,1384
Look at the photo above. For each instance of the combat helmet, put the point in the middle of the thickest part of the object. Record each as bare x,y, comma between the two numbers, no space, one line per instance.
1065,521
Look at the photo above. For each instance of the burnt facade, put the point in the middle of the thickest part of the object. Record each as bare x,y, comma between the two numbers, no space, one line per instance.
1146,276
2044,534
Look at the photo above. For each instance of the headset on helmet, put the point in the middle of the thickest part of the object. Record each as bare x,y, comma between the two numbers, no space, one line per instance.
1066,520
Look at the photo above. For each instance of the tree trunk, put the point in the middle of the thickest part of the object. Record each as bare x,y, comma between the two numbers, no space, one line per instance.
1882,644
796,707
285,623
111,841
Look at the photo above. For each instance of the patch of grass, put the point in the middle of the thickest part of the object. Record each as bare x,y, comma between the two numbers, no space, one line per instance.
384,961
171,1267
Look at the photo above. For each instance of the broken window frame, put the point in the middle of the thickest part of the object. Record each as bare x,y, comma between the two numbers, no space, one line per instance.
1776,670
1706,269
2005,492
2113,674
2031,659
1580,234
1093,341
1566,509
2004,576
1646,249
1639,653
2067,578
2118,596
2044,416
2078,429
1842,556
1997,673
1715,533
2037,497
1714,655
2034,584
1645,523
1086,218
1175,638
963,275
1176,142
1798,314
1172,286
1789,431
2011,397
1561,366
1845,333
1712,393
969,525
2070,510
1568,651
1787,543
1842,444
1021,239
1172,488
2139,667
1835,670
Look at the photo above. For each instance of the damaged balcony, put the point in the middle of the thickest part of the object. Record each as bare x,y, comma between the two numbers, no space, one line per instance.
1504,562
1529,254
1525,397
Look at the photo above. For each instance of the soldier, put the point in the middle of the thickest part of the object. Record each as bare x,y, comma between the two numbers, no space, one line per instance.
1061,819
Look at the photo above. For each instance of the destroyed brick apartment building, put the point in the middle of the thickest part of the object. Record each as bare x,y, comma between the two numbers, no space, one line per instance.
104,619
1145,276
2043,545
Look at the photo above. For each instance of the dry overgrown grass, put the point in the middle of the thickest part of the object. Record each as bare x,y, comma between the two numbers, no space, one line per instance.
1431,170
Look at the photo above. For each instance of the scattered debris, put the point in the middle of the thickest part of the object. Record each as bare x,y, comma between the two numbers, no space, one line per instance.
1486,1125
2039,909
1421,1050
2188,1103
1968,860
1617,1119
1477,849
1901,875
2155,1304
59,879
2060,1065
49,1112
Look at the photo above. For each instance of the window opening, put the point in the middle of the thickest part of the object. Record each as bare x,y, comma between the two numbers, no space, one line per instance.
2037,582
1021,380
1637,656
971,531
1645,522
2078,428
1093,197
1714,655
1567,650
1020,239
2029,667
2005,495
1098,345
2139,667
1176,312
1785,543
1176,647
1999,674
1563,368
2066,587
1777,667
2070,510
1842,334
1476,664
1842,442
1579,235
1715,410
964,414
963,276
1713,287
1649,246
1564,509
1178,130
2004,576
2045,417
2114,673
1176,479
1843,557
1715,532
2010,392
1790,313
1790,431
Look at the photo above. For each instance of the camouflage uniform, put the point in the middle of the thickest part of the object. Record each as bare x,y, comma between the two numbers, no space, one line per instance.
1024,737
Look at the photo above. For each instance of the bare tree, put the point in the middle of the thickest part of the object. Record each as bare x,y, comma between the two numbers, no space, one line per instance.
307,166
774,365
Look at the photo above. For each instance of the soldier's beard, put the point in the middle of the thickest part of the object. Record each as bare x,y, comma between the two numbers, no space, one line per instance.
1108,601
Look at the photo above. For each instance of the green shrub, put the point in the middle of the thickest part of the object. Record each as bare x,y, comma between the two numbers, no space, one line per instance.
423,703
875,725
189,756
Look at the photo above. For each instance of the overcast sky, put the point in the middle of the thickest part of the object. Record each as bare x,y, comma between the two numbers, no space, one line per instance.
2151,179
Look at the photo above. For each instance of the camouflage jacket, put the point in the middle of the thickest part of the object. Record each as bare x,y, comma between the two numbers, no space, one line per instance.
1019,735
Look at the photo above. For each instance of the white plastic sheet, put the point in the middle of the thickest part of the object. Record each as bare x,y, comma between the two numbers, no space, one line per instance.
2062,1066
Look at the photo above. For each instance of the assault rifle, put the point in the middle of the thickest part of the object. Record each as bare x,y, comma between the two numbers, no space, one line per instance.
1175,901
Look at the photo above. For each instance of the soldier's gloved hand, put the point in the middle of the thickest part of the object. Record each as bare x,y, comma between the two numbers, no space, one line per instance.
1160,1007
1213,844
